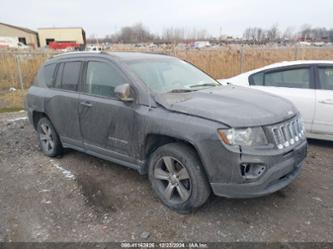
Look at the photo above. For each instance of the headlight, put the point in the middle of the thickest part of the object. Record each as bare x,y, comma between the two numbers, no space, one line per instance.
245,137
301,129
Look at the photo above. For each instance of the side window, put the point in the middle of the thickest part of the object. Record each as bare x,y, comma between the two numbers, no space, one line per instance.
39,77
256,79
326,78
70,75
102,78
48,74
58,80
293,78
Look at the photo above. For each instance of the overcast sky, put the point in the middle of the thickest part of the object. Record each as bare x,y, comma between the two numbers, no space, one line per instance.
101,17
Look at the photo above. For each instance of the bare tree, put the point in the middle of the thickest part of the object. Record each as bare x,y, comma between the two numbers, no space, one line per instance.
273,34
288,34
330,35
182,34
133,34
315,34
254,34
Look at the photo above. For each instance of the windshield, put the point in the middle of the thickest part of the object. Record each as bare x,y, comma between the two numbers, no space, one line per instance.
171,75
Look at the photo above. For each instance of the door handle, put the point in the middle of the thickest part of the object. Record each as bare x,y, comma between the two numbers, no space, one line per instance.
86,103
326,101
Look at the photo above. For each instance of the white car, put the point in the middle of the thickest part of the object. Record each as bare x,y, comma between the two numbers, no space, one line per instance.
308,84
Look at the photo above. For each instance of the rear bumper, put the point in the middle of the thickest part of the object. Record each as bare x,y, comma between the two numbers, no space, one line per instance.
278,176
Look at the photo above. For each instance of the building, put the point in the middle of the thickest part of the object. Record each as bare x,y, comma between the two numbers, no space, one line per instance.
23,35
67,34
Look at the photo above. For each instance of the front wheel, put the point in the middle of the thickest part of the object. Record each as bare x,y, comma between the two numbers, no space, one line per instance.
177,177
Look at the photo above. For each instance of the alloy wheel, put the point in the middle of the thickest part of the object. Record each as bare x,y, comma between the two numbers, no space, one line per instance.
173,179
46,137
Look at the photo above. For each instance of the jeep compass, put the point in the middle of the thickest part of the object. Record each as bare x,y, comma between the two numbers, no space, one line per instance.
166,118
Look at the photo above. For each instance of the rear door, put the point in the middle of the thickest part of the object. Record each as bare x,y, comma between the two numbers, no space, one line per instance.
106,122
62,105
294,83
323,121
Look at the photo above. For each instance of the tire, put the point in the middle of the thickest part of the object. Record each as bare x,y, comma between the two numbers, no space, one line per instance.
177,177
48,138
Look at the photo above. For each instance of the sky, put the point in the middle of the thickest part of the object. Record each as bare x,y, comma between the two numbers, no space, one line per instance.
229,17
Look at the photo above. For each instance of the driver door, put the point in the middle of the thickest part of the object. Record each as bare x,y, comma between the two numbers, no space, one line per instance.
106,123
323,122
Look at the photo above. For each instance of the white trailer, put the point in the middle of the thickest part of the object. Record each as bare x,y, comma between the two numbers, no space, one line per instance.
201,44
11,42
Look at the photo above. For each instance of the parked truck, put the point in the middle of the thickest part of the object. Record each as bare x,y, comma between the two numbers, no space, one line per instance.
67,46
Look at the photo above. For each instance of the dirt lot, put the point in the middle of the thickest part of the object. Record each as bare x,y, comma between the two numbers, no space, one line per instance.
82,198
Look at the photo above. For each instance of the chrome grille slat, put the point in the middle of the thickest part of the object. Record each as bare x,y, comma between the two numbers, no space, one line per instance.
287,133
295,128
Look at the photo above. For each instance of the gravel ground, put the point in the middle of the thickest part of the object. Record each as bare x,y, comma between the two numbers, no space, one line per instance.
81,198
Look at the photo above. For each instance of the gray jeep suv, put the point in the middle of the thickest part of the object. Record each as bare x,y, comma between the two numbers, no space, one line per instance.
164,117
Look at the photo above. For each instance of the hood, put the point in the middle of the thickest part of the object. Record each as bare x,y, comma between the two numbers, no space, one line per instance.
231,105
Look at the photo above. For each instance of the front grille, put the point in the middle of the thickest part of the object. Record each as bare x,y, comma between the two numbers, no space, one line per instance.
287,133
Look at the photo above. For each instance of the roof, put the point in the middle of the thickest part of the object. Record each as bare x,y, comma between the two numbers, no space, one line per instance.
60,28
127,56
124,56
19,28
293,63
282,64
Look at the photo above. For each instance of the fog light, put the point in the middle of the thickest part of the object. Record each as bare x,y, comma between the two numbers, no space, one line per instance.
252,170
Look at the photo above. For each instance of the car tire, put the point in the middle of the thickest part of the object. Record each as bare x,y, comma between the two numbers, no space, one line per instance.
48,138
177,177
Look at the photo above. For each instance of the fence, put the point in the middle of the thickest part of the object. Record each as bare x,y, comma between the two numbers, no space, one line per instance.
18,69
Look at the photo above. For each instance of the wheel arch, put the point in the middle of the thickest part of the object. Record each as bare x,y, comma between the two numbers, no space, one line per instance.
36,116
153,141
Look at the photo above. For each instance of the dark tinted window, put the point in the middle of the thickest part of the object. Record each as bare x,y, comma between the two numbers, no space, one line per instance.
39,77
48,74
57,83
102,78
294,78
70,75
326,78
257,79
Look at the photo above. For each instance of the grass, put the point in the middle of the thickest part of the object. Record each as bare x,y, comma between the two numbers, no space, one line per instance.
12,101
28,63
230,61
10,109
221,62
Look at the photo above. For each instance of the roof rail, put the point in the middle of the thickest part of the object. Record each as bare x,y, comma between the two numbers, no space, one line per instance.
76,52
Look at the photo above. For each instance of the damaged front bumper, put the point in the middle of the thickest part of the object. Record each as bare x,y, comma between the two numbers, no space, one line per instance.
280,170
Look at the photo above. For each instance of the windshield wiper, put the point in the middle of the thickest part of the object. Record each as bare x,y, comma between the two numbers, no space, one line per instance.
203,85
180,91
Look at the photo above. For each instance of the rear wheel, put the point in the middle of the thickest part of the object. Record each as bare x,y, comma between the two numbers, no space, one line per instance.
48,138
177,177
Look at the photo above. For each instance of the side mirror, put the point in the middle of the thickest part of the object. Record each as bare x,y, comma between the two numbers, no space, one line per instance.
124,93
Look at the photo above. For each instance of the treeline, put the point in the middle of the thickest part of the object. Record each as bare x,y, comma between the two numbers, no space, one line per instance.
274,34
138,33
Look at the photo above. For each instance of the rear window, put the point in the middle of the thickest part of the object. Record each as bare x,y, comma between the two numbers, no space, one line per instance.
293,78
68,75
326,78
257,79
